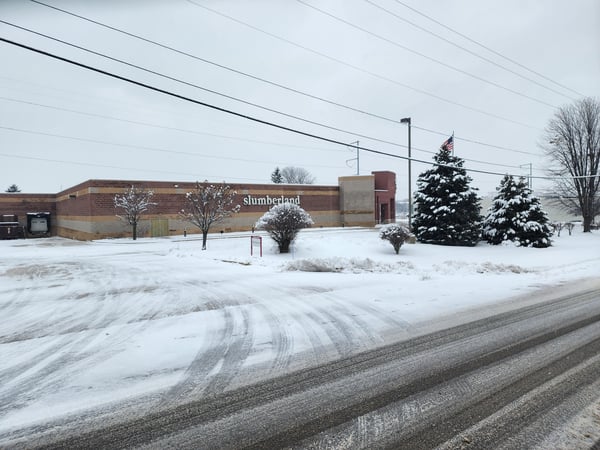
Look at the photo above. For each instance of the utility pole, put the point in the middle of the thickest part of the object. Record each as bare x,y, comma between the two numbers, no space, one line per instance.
407,121
357,157
530,178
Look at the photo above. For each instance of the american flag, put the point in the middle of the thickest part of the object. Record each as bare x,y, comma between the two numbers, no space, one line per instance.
448,144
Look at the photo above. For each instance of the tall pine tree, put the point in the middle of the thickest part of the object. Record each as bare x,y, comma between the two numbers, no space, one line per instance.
276,176
516,215
447,210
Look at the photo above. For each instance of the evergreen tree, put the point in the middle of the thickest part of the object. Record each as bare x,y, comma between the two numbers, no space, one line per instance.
516,215
276,176
13,188
447,210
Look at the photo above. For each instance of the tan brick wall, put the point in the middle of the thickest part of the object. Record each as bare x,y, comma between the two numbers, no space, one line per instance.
357,200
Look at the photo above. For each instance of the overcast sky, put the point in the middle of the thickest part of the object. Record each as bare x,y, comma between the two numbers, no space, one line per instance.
355,66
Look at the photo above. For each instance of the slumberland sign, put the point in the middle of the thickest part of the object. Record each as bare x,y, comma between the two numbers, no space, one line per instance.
250,200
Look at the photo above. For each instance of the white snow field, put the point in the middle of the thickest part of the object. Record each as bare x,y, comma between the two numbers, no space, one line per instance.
84,325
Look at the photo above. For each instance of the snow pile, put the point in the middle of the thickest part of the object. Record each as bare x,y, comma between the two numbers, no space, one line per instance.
449,267
352,265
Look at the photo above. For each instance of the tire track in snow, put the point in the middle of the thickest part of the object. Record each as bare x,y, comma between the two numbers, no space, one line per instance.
281,339
236,353
68,354
206,360
339,335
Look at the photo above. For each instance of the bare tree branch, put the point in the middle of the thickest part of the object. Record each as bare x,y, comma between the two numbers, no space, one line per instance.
573,142
134,202
208,204
296,175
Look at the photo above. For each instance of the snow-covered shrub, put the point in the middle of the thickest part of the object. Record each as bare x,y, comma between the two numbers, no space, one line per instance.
516,216
283,222
396,234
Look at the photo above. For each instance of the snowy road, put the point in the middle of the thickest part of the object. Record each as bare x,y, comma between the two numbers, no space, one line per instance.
151,325
515,380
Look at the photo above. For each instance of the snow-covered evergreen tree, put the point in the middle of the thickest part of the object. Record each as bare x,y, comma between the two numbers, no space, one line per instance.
276,176
283,222
447,208
516,215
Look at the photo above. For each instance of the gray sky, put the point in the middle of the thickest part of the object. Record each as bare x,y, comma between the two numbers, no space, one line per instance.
61,125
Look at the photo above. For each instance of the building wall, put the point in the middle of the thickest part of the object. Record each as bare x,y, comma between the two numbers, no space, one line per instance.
357,201
385,196
21,204
86,211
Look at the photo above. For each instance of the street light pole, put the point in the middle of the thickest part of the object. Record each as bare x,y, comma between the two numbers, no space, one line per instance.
406,120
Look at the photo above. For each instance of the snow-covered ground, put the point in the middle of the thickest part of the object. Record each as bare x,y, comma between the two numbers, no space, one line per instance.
84,324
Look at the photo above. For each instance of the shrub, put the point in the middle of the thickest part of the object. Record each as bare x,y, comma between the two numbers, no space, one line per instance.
283,222
396,234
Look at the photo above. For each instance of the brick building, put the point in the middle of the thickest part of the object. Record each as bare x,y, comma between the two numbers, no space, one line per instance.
86,211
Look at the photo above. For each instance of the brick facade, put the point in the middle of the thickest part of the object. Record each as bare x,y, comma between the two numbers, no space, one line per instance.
86,211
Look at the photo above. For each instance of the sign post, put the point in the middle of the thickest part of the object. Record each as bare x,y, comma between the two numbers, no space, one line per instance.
255,242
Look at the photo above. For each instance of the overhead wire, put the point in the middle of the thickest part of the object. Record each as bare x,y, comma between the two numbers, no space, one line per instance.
352,133
162,127
423,55
182,130
465,49
254,77
142,147
506,58
107,166
362,70
181,152
238,114
211,91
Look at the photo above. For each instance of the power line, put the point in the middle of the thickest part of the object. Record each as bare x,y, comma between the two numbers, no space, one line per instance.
477,55
423,55
141,147
213,63
443,25
181,152
163,127
215,92
254,77
211,91
362,70
182,130
107,166
240,115
461,138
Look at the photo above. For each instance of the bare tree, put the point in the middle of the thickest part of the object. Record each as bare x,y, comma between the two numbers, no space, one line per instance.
283,222
296,175
573,142
208,204
134,202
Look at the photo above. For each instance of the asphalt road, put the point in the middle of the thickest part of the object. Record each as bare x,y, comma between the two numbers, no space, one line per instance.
518,379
